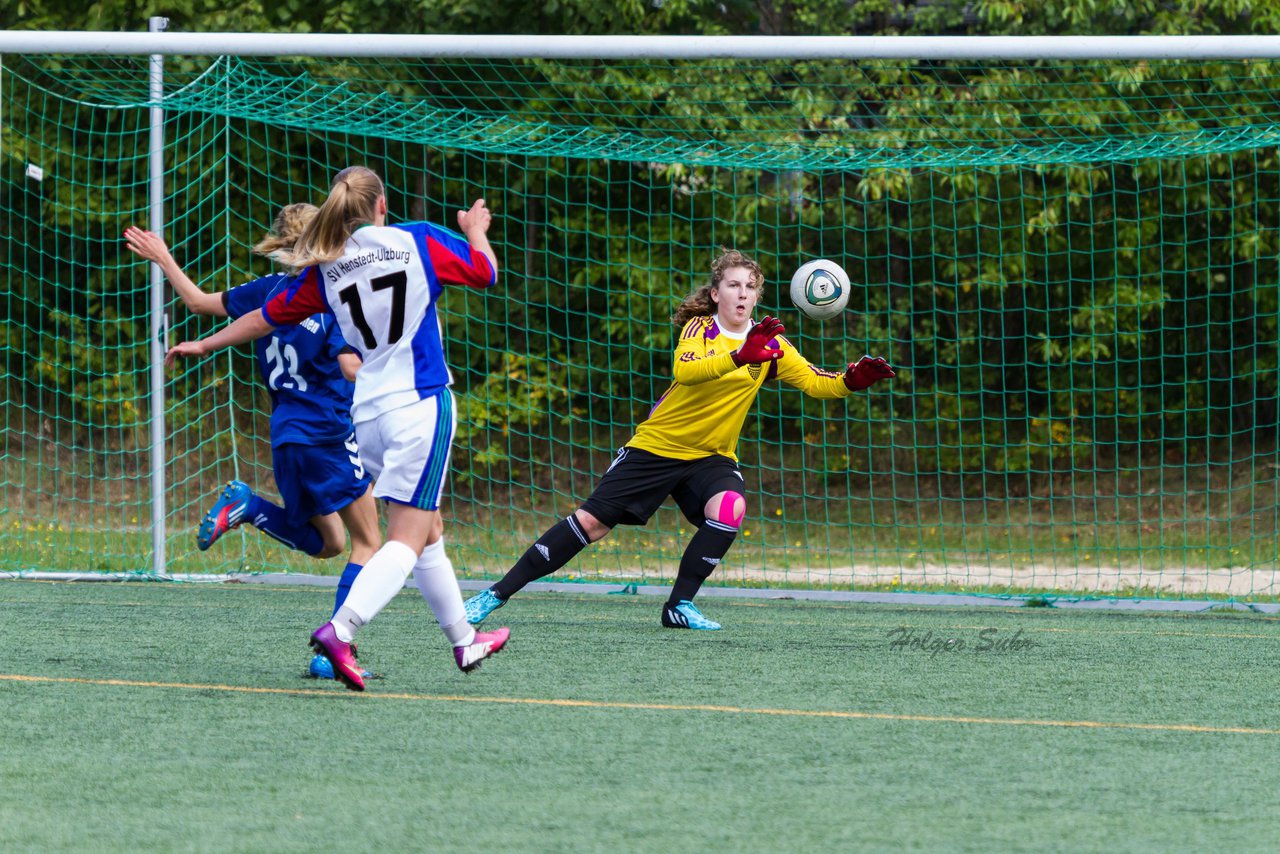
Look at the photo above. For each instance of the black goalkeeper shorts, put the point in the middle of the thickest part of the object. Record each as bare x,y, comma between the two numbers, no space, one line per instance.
637,482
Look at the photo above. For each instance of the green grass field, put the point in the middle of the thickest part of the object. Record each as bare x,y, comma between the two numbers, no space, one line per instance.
175,717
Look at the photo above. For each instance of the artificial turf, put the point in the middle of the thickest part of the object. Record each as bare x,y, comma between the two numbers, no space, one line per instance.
175,717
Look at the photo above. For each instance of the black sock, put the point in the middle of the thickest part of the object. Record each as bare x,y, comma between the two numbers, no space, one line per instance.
552,550
709,544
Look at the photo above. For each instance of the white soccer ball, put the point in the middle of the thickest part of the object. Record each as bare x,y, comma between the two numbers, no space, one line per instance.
820,289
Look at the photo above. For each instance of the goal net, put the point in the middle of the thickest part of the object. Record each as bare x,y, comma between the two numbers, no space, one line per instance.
1072,266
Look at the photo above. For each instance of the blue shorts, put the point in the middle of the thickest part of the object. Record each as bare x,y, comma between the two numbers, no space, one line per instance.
315,480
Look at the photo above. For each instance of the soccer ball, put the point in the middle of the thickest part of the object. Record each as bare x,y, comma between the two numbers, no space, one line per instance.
820,289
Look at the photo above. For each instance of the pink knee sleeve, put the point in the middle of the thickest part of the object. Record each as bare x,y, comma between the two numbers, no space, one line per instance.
727,513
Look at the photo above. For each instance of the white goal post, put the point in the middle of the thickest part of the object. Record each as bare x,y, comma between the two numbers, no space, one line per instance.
646,47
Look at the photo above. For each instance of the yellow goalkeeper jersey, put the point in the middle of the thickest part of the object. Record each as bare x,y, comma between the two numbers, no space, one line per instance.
702,412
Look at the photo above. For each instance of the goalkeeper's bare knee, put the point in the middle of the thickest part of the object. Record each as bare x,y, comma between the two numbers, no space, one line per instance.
594,529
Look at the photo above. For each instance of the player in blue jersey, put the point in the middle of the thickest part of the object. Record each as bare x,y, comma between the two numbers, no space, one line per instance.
381,283
308,370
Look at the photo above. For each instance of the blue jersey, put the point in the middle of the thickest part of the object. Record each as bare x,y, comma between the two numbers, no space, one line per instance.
310,398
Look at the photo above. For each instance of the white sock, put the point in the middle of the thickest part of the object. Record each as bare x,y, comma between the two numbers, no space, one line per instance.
439,586
376,585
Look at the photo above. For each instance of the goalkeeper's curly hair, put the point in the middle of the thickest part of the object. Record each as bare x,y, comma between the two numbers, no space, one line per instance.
288,227
698,303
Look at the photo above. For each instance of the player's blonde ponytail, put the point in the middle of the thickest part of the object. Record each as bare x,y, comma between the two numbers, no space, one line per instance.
289,224
352,202
699,303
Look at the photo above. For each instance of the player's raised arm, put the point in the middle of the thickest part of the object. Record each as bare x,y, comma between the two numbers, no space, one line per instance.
249,327
474,225
151,246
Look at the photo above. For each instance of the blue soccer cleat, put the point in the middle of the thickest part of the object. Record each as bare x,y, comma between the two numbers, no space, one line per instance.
685,615
482,605
227,513
322,668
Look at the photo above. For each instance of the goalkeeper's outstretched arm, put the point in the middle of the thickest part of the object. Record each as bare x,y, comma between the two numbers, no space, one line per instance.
797,371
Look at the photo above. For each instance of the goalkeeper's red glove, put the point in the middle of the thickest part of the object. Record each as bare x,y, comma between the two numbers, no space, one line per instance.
867,371
755,347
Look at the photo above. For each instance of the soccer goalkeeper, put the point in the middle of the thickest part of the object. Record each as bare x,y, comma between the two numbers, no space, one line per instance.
685,448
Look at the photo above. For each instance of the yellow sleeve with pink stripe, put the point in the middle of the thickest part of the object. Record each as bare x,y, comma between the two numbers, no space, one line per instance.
701,413
798,372
691,365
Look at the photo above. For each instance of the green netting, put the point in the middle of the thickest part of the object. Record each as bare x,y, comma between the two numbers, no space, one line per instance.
762,115
1074,266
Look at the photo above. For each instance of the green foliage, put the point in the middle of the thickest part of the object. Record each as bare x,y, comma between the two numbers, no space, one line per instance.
517,398
1071,265
96,368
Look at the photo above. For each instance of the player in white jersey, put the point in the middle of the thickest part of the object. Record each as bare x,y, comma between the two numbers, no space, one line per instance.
381,283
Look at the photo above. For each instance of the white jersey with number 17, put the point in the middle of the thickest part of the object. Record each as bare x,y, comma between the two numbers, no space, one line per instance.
383,293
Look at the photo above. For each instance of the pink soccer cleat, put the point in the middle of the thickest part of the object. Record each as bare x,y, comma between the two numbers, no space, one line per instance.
324,641
484,645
